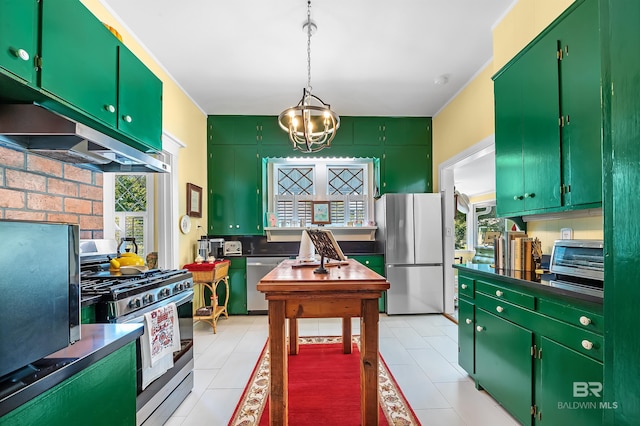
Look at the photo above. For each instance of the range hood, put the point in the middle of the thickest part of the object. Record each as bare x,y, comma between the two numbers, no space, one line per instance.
49,134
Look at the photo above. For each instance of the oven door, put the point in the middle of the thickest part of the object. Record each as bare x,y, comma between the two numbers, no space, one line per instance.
158,400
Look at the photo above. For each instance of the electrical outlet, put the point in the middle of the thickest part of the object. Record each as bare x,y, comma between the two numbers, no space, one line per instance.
566,234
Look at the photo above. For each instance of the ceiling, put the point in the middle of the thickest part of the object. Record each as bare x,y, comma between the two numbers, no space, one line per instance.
368,58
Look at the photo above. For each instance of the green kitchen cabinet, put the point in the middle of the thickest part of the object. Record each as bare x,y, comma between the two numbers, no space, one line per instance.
139,100
548,119
406,169
568,379
19,39
375,262
80,59
507,373
408,131
88,314
234,192
466,335
368,130
238,286
270,132
234,129
103,394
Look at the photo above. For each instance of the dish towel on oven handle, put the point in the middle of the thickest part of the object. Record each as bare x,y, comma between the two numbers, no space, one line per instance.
160,339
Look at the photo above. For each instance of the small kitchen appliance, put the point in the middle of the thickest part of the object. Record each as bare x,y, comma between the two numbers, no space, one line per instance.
232,248
578,266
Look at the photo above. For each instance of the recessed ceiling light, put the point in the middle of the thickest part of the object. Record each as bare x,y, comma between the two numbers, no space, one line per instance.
441,80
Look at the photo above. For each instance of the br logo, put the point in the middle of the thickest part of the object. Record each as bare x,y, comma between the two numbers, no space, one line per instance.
584,389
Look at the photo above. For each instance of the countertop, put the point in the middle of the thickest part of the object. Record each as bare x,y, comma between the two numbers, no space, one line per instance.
97,341
529,280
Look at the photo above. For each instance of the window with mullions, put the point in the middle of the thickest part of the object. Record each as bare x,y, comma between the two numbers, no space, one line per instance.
345,183
131,213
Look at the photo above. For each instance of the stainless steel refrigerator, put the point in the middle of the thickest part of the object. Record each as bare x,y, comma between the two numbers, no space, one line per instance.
410,231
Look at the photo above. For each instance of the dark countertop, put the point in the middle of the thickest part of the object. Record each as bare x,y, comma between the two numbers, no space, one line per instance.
97,341
529,280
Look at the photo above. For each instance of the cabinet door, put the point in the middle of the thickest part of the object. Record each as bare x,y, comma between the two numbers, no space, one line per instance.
504,364
466,336
568,378
509,108
233,130
221,182
79,57
248,210
238,287
270,132
581,105
408,131
19,38
541,130
407,169
368,131
139,101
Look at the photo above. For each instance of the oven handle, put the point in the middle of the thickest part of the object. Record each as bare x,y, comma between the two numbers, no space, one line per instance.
138,316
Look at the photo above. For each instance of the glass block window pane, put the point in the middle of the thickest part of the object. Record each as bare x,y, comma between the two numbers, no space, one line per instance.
346,180
295,180
131,193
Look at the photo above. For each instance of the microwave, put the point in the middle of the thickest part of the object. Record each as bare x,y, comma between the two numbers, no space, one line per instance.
40,281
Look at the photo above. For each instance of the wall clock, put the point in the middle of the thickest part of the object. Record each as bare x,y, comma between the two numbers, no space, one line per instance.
185,224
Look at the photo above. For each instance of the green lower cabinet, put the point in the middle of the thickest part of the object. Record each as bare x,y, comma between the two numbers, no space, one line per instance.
88,314
376,264
466,336
237,287
504,366
102,394
570,387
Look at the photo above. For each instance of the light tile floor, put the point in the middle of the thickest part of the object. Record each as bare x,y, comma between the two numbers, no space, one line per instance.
420,350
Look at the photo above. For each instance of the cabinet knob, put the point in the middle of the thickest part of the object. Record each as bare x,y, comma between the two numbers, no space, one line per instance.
21,53
110,108
518,197
529,195
464,286
499,308
585,320
127,118
237,226
499,293
230,226
479,328
366,262
468,321
587,345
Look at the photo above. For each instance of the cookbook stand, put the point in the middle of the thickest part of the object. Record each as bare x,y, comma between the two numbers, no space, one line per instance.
325,245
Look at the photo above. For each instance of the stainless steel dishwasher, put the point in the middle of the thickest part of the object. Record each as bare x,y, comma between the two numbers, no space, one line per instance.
258,267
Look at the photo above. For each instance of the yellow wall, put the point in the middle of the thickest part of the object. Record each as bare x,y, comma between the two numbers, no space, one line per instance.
547,231
183,120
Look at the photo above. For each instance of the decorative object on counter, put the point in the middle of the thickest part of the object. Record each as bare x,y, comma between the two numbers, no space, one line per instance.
194,200
152,260
185,224
311,124
272,218
199,259
307,252
128,258
320,212
326,246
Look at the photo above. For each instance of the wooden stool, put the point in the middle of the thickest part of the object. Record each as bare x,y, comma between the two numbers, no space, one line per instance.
210,280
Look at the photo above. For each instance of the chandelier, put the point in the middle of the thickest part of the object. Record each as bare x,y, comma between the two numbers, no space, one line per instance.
311,124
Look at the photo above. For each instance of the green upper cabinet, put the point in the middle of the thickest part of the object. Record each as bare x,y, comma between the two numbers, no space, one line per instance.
406,169
234,129
79,59
368,130
234,193
581,105
140,100
270,132
19,38
408,131
548,119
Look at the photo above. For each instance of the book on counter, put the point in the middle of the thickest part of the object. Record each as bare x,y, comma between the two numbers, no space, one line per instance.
514,251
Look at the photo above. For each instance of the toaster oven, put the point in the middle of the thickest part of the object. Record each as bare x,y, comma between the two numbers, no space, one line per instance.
578,265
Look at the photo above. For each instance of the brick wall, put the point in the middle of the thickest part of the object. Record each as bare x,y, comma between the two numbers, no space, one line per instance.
42,189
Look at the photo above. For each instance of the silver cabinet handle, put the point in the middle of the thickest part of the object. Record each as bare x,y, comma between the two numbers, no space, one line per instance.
499,309
587,345
585,320
479,328
499,293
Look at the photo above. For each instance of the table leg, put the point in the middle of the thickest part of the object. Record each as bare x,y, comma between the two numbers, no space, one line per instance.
346,335
369,362
293,336
278,404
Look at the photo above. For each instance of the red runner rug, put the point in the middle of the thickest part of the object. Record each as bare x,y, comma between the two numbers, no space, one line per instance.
324,388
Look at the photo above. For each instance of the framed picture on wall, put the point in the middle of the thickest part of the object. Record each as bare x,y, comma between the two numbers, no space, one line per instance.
320,212
194,200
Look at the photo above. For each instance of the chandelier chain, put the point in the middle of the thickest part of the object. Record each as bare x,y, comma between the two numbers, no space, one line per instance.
309,46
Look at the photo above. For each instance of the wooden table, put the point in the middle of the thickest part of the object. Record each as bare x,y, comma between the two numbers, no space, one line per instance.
347,291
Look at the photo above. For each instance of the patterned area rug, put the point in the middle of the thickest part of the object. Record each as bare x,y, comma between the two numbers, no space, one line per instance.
251,406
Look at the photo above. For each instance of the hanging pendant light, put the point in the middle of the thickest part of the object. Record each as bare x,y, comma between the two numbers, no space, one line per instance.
311,124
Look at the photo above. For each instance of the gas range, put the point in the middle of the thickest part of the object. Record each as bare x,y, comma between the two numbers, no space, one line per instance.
121,295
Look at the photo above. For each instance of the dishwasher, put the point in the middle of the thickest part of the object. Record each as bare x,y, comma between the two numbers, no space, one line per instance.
258,267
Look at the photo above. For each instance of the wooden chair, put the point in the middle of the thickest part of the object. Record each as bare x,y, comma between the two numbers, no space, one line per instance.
209,280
